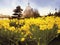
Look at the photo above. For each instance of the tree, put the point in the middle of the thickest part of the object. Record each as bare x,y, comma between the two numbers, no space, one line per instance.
17,12
50,14
57,13
36,13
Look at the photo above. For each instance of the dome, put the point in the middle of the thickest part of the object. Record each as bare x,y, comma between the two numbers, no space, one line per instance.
28,12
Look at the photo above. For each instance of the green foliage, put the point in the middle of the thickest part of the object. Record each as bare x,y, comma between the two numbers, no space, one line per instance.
8,37
39,37
17,12
43,37
13,24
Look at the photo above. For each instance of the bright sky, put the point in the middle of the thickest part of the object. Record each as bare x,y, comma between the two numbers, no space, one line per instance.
43,6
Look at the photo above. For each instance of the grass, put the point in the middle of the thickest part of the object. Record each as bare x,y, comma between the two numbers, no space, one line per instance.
55,41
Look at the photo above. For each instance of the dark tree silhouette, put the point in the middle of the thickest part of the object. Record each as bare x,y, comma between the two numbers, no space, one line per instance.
36,13
57,14
17,12
50,14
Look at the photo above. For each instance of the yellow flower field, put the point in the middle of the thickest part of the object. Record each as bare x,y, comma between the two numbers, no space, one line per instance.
43,22
30,28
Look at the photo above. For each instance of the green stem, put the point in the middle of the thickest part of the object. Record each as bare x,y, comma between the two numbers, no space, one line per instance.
16,43
38,42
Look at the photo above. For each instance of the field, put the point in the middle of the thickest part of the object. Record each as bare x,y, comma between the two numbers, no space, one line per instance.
40,30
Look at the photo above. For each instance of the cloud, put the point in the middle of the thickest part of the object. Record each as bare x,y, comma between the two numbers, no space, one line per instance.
6,11
8,3
45,10
44,6
44,3
7,7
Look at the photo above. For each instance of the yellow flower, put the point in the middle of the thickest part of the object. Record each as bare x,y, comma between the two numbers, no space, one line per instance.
1,26
12,28
49,26
58,31
43,27
22,39
25,27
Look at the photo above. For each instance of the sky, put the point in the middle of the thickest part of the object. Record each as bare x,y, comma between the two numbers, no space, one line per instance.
43,6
